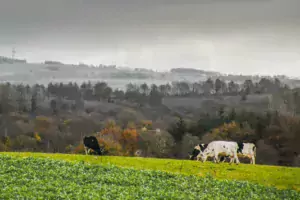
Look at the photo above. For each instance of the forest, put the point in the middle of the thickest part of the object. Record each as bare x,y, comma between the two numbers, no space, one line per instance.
137,122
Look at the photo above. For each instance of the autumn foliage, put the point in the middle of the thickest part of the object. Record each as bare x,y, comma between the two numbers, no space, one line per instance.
37,137
147,124
129,141
115,140
232,130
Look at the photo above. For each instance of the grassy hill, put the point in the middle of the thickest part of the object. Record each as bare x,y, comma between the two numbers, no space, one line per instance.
79,176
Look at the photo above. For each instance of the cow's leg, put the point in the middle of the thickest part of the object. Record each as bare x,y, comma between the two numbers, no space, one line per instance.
225,158
236,158
231,159
222,159
216,157
85,149
198,157
253,159
250,158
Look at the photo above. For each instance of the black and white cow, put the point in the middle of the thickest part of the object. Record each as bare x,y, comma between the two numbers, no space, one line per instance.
200,148
91,142
197,149
247,150
230,148
215,148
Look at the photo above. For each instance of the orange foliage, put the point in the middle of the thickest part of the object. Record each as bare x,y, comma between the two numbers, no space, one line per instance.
115,140
129,140
112,147
113,131
79,149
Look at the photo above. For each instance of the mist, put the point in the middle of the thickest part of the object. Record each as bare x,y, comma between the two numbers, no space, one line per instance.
239,37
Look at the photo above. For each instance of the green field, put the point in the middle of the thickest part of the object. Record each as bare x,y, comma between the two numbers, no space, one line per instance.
27,175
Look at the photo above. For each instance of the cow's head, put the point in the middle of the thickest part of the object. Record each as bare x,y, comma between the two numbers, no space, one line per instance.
203,155
195,152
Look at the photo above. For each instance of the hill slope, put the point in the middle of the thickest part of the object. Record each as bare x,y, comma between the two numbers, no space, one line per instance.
48,179
279,177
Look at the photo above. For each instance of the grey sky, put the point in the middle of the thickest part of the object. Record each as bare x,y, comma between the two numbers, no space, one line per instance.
237,36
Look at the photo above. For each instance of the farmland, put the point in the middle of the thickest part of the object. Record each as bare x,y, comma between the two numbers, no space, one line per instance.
48,176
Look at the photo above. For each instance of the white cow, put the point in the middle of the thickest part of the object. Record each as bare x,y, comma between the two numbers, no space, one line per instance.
248,150
215,148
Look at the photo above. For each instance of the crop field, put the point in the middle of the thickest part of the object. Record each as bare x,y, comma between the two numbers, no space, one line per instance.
62,176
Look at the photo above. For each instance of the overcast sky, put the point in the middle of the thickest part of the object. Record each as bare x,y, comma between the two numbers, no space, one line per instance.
231,36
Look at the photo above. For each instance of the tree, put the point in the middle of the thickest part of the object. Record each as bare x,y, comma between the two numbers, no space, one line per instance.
184,88
107,92
197,88
155,96
100,90
218,85
144,87
7,102
233,88
33,104
163,90
221,112
208,86
119,94
129,140
178,130
21,98
131,88
248,87
53,106
232,115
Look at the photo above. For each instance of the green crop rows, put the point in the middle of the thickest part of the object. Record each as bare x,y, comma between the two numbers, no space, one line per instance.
39,178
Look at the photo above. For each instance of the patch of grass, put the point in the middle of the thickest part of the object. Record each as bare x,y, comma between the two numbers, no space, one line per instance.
279,177
40,178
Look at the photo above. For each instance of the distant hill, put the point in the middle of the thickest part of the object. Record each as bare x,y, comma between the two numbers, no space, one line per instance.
192,70
19,71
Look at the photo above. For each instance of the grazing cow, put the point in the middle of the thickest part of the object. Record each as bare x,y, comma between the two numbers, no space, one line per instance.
200,148
247,150
220,147
197,149
91,142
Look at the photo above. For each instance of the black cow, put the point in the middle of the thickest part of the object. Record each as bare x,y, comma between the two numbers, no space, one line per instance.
91,142
200,148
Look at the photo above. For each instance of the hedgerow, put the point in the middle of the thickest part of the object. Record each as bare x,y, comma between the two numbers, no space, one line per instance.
40,178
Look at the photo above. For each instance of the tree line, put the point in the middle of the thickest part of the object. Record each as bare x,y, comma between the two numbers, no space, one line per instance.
25,97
